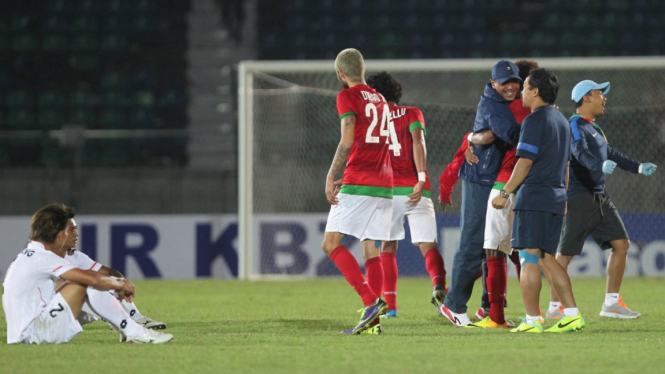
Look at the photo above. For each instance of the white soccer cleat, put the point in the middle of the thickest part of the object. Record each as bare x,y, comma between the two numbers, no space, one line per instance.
457,319
150,324
149,336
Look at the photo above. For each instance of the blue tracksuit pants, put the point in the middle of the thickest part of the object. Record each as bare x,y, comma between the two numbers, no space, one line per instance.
469,252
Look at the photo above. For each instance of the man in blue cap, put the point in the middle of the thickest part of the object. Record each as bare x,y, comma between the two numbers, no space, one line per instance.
477,180
590,210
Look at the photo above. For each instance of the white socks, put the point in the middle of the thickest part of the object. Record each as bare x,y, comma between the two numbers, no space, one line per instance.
106,306
554,306
531,320
611,299
571,312
131,309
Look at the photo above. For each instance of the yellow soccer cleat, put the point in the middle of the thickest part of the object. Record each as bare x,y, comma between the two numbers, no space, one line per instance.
536,328
487,323
568,324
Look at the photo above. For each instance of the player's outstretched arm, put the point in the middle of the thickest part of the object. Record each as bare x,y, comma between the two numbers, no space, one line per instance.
623,161
481,138
477,138
101,282
342,153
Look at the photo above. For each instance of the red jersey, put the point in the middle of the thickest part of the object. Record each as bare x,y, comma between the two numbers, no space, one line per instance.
450,176
509,159
405,174
368,170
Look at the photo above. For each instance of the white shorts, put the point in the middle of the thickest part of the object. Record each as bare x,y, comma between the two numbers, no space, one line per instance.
55,324
422,221
364,217
498,224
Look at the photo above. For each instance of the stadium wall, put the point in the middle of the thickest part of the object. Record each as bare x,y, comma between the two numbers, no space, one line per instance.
192,246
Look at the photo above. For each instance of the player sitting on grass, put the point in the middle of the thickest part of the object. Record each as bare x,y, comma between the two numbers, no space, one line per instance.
43,294
83,261
411,195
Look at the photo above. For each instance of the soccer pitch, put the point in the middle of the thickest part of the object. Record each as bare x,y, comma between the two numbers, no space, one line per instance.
294,327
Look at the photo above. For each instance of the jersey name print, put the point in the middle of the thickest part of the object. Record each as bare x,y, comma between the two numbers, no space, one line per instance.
405,174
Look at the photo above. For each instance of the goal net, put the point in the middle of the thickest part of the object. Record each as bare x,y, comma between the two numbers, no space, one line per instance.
289,130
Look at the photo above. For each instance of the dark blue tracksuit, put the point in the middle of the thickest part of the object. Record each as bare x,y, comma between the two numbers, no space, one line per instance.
590,150
477,180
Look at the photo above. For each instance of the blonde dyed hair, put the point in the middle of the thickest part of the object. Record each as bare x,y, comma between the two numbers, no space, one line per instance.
351,63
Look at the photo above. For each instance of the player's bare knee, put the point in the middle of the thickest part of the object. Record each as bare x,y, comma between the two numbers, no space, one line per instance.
75,295
389,246
371,249
620,247
491,253
330,242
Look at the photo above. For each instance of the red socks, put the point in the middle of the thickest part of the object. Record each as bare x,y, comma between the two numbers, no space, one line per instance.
390,274
435,267
515,258
496,287
348,265
374,272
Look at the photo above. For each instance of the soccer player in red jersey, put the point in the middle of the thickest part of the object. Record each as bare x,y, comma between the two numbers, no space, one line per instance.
411,195
362,204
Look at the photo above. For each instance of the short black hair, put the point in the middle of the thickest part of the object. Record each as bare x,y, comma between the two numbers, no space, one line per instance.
546,82
48,221
386,85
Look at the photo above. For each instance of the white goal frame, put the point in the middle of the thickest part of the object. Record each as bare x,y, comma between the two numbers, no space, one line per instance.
247,69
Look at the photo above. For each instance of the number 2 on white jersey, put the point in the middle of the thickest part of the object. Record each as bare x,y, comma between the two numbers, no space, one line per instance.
387,128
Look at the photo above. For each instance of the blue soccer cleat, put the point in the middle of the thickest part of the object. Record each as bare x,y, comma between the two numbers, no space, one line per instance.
370,314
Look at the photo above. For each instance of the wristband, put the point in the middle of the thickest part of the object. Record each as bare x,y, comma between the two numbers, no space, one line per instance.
422,176
468,138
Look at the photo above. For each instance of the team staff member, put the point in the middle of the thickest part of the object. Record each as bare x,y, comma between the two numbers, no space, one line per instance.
493,114
541,173
590,210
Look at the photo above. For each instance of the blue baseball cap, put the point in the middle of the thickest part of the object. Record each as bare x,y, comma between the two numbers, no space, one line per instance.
505,70
584,87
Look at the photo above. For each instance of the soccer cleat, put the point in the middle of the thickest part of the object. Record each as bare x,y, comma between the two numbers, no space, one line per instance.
536,328
390,314
487,323
148,336
556,315
150,324
481,313
370,314
618,310
568,324
373,329
457,319
438,296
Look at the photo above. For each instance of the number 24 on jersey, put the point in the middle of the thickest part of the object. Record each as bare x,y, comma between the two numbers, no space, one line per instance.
386,129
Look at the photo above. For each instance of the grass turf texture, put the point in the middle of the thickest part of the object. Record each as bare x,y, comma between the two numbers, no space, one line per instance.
294,327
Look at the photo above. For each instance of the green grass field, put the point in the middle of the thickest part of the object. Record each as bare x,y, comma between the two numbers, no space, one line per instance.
294,327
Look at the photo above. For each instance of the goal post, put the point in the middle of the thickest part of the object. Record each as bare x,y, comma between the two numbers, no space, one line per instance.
288,132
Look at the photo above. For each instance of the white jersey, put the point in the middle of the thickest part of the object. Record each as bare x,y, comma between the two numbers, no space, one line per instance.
28,287
82,261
